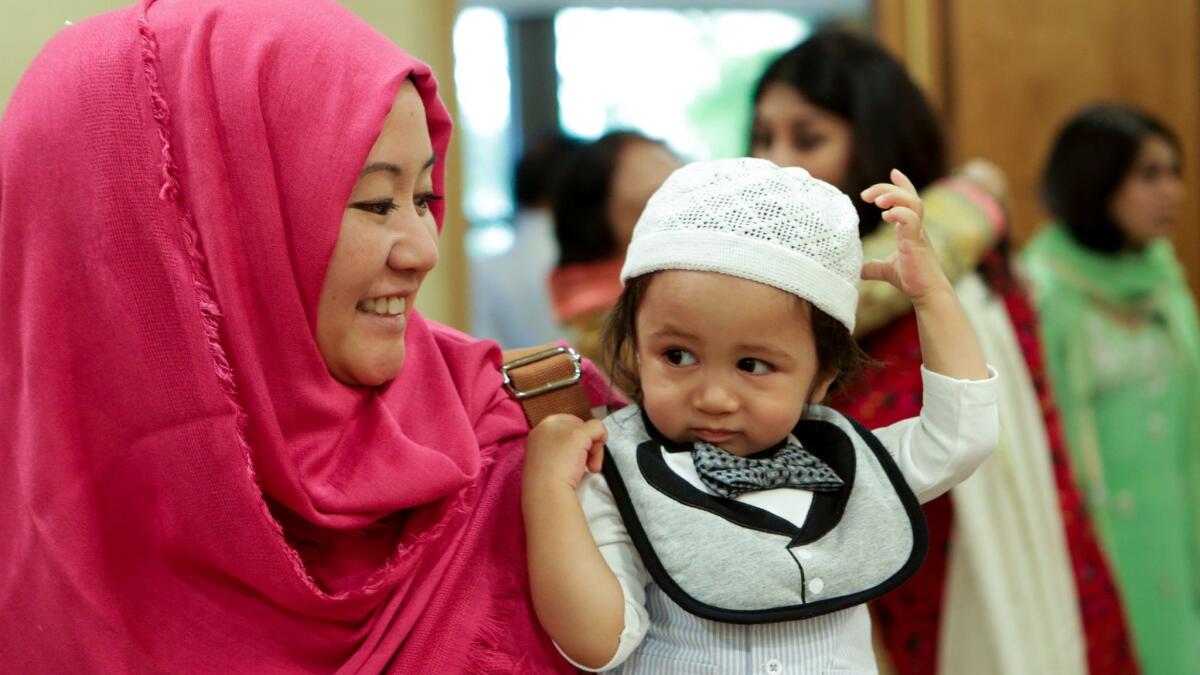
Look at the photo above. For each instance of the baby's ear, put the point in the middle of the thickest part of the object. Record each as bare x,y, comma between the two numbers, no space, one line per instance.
821,386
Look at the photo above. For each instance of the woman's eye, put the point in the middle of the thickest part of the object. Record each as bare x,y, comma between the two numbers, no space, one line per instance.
754,366
380,208
808,142
679,357
423,200
1156,172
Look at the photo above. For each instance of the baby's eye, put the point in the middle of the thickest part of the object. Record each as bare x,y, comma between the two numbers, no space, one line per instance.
754,366
380,208
679,357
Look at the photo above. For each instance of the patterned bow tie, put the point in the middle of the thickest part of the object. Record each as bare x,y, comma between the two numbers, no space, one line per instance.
729,475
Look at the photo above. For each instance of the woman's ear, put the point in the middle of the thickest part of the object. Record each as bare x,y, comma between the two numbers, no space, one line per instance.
821,385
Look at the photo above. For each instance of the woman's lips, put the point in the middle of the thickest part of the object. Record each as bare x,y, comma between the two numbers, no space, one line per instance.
385,306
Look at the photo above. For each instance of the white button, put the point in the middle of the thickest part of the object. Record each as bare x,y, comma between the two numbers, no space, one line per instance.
815,586
773,667
804,554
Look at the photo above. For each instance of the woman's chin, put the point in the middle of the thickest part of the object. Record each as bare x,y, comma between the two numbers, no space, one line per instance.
373,370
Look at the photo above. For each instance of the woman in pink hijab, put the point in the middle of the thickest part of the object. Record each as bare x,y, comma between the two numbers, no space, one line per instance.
227,441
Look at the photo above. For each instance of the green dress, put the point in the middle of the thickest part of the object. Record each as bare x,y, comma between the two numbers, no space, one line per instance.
1122,347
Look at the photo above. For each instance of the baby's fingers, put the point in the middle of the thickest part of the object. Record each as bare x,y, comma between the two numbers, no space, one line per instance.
902,181
881,270
876,191
596,431
598,434
908,222
595,458
886,196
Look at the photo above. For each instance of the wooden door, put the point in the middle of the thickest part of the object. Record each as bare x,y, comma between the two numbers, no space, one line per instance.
1007,74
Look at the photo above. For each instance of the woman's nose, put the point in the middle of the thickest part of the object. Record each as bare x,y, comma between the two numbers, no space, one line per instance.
1174,190
415,247
781,154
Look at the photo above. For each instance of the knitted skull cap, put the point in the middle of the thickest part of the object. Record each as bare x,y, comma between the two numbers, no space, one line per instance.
749,218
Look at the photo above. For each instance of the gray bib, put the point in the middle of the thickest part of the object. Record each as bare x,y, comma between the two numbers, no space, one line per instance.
725,560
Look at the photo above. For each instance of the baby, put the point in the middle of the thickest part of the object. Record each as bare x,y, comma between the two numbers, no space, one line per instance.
728,522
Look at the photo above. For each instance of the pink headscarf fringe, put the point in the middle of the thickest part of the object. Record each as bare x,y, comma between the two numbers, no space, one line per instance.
170,192
461,505
210,311
487,656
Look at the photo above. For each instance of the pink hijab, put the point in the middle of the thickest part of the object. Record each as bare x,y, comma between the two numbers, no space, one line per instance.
183,486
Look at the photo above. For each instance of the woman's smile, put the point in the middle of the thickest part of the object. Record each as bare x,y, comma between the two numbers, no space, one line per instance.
393,305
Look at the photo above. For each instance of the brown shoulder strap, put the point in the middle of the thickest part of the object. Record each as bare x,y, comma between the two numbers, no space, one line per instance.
545,380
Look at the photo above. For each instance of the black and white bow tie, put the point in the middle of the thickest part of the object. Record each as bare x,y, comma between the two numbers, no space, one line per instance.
728,475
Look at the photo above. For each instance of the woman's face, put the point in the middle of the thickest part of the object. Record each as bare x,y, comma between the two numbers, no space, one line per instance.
642,167
790,131
1146,204
386,246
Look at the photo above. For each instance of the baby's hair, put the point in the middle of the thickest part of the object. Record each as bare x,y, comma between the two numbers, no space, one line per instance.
837,350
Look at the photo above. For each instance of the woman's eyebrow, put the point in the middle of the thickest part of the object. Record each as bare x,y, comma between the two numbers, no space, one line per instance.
394,169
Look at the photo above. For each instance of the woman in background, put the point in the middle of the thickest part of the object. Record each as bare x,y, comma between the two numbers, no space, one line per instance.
1015,582
1123,347
510,300
601,197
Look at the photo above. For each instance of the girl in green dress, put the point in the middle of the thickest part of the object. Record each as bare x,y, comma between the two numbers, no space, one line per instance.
1120,331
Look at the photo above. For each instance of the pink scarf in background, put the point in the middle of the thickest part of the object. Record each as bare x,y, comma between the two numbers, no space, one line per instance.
583,288
183,486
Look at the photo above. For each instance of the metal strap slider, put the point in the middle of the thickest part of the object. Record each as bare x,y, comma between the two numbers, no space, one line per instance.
521,395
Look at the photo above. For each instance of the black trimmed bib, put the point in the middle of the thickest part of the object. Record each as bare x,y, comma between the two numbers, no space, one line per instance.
725,560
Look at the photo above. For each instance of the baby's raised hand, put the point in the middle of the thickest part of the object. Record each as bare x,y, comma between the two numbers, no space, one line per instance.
913,267
561,447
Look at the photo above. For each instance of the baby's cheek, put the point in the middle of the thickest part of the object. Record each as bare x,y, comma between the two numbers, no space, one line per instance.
665,410
779,416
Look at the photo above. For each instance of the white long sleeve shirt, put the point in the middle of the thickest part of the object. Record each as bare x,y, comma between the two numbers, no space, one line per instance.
956,430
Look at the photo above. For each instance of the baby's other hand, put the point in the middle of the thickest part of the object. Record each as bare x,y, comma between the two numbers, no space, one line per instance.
913,267
561,447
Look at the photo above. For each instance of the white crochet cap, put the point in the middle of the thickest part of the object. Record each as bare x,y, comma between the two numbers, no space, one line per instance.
751,219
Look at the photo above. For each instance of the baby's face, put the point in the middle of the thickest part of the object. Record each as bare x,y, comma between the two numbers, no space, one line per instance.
725,360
